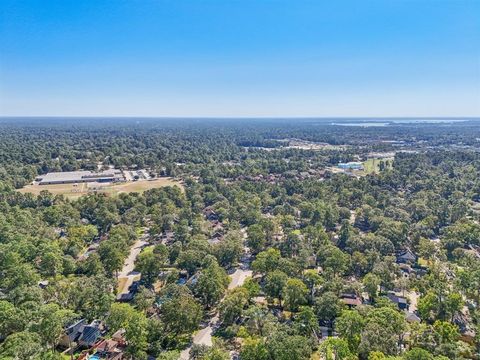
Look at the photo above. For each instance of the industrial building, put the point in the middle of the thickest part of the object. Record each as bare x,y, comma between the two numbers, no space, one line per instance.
351,166
73,177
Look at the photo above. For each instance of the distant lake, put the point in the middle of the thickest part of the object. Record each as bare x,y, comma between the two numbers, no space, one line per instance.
398,121
365,124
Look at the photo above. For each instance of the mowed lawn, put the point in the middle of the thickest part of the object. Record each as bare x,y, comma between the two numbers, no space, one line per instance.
73,191
373,165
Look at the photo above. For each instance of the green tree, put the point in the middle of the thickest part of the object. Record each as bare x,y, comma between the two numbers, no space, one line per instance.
52,322
328,306
295,294
11,319
289,347
256,238
254,349
211,284
179,310
229,251
149,264
307,322
446,332
136,335
266,261
349,326
371,282
119,316
111,255
312,279
383,331
275,281
144,299
21,345
428,306
169,355
231,308
453,304
418,354
332,348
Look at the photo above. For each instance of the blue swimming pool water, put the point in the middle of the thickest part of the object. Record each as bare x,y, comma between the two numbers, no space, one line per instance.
94,357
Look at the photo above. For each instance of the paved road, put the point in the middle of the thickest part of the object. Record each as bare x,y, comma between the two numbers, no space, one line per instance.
238,278
204,336
413,296
129,264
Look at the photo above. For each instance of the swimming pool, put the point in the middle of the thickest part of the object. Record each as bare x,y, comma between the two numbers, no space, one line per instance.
94,357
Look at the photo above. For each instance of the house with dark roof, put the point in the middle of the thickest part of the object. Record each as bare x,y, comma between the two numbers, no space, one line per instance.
81,334
400,301
71,333
210,214
89,335
406,257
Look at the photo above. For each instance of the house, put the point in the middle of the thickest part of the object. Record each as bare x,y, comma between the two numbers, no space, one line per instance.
43,284
210,214
167,237
89,335
216,238
411,317
401,301
110,349
71,333
81,334
351,300
406,257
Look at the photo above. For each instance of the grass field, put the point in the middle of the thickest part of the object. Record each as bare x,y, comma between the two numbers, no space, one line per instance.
74,191
373,165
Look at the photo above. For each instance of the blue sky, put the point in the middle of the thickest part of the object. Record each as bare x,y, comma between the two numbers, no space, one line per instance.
240,58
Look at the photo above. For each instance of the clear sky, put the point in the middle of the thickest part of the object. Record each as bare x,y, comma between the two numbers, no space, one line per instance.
240,57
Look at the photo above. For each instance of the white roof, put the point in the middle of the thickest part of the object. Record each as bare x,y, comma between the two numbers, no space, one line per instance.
73,175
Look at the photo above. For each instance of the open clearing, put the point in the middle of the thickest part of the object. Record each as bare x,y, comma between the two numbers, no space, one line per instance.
74,191
373,165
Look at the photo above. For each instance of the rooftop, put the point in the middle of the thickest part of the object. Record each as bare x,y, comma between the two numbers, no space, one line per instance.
72,176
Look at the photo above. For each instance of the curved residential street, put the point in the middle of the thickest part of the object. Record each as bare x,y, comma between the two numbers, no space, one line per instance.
237,278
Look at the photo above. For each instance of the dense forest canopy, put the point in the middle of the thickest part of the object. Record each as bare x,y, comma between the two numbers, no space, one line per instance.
269,249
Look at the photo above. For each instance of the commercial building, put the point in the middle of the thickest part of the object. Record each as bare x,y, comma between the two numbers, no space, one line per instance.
73,177
351,166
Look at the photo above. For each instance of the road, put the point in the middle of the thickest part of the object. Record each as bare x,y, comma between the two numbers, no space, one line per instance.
204,336
413,297
126,276
239,277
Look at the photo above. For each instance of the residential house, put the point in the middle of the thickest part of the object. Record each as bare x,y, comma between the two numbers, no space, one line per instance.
411,317
406,257
400,301
351,300
81,334
210,214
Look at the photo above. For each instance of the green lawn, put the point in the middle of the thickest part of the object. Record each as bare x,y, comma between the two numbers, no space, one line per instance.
373,165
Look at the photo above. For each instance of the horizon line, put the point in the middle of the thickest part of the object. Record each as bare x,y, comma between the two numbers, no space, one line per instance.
236,117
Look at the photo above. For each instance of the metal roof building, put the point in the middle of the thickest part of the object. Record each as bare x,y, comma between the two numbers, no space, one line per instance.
84,176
